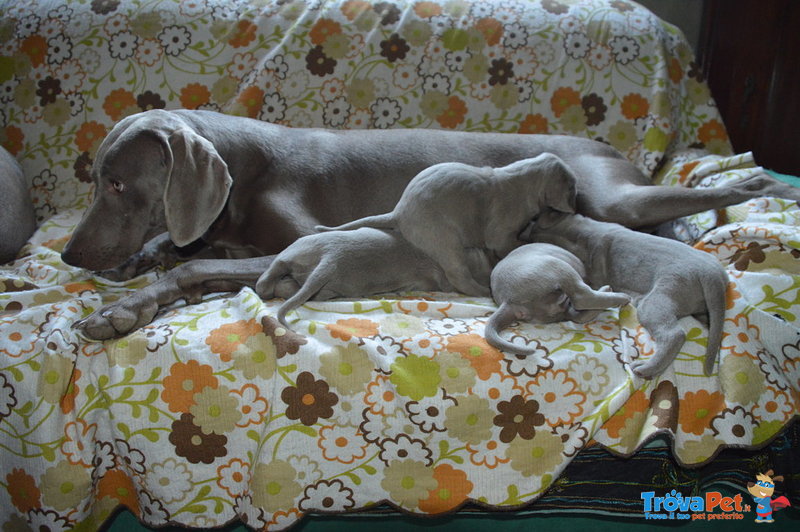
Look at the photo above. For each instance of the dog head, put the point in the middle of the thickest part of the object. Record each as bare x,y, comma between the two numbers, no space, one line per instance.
152,174
764,485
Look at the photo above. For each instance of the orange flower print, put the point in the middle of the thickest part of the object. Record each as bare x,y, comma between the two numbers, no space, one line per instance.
244,34
534,124
697,409
483,358
226,339
731,295
353,8
712,130
454,114
347,329
117,101
21,486
427,9
564,98
675,71
35,47
635,106
89,135
194,95
636,403
685,170
13,139
491,28
323,29
116,485
452,489
67,401
252,98
184,381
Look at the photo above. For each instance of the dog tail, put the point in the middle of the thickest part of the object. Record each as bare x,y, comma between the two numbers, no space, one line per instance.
504,316
714,293
314,283
379,221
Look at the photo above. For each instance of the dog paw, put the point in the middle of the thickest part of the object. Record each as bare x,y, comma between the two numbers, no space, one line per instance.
118,318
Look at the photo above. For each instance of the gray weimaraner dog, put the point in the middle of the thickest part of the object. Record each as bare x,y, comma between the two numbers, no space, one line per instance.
455,212
347,264
17,220
543,283
241,188
667,280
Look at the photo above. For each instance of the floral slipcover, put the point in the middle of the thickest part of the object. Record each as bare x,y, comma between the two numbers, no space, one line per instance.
215,413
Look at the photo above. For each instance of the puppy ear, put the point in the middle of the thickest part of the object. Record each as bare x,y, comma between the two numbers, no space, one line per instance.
197,186
560,189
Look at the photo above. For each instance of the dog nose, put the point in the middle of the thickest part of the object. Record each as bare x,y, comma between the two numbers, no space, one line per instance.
71,256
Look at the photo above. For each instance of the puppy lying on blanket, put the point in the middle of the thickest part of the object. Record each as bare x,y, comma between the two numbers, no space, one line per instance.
667,279
451,210
347,264
543,283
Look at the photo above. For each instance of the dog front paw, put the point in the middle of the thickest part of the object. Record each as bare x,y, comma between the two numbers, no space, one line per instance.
118,318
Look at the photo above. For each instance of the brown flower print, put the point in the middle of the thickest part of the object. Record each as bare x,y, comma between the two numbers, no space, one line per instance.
149,100
48,89
518,417
554,7
500,72
286,342
594,108
318,63
388,12
664,404
192,444
754,252
83,167
309,400
394,48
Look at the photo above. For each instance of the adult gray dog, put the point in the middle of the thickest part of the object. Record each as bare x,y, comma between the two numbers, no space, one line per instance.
347,264
17,220
460,214
667,279
543,283
238,187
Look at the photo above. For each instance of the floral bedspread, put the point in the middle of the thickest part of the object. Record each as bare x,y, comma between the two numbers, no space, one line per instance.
215,413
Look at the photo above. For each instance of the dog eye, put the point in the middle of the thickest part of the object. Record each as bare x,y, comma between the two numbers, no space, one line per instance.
117,186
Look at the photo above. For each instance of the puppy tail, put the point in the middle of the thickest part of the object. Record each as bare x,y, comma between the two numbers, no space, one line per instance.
379,221
314,283
714,293
504,316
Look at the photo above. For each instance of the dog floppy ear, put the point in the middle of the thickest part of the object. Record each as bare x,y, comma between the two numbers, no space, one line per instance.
197,186
560,189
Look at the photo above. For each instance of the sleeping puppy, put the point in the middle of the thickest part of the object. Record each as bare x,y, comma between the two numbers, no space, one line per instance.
543,283
17,220
466,217
667,280
347,264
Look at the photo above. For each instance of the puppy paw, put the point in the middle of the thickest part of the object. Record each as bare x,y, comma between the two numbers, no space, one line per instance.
643,369
118,318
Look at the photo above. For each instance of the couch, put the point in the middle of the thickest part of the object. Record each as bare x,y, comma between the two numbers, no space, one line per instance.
214,413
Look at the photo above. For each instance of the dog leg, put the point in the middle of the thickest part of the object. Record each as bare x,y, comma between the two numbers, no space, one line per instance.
188,281
159,251
643,206
658,315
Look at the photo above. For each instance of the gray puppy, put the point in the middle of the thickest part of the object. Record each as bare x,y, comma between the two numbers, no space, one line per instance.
465,217
17,220
667,280
543,283
347,264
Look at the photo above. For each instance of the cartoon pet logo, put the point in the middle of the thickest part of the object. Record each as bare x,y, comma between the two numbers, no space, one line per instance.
762,491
